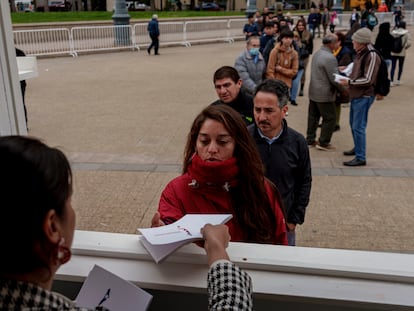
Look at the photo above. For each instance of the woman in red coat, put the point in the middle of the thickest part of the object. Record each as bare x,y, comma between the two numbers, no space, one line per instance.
223,173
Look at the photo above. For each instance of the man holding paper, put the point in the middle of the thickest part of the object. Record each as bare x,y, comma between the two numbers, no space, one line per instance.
322,95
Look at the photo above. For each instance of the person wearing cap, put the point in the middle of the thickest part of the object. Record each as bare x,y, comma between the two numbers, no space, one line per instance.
322,95
361,92
251,28
154,33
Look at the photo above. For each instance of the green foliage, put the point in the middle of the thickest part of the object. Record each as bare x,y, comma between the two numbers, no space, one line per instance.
53,17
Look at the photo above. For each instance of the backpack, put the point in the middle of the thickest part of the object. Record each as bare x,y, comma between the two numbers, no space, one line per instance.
372,21
397,46
382,85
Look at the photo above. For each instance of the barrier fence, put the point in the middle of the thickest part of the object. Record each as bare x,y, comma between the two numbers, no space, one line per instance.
100,38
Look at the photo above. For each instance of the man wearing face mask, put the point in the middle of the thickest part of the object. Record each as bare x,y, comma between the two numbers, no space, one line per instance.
251,65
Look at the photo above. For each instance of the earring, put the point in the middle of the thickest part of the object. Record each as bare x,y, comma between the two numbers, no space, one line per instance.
63,253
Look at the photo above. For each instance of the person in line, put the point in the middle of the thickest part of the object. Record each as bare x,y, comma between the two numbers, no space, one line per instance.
354,17
303,54
361,92
250,65
397,16
322,95
384,42
154,33
223,173
251,28
333,22
283,60
307,39
344,57
36,181
229,89
399,57
268,34
283,150
326,17
270,44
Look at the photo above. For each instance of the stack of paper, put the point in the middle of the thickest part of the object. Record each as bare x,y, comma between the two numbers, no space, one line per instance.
103,288
162,241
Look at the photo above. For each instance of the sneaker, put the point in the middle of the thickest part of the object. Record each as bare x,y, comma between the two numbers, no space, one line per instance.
325,148
398,82
392,84
293,102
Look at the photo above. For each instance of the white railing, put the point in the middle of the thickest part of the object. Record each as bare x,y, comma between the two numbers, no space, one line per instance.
44,41
101,38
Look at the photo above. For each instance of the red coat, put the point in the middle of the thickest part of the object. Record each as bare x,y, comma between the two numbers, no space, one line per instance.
180,198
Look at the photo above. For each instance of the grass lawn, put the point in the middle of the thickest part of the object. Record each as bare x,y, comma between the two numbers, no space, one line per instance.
50,17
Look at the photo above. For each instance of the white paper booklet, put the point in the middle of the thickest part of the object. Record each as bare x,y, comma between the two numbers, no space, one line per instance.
348,70
162,241
339,77
103,288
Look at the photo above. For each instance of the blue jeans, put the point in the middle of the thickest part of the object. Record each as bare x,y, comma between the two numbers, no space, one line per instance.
296,84
358,119
291,236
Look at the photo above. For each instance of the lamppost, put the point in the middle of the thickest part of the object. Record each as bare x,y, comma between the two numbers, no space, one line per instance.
121,19
251,7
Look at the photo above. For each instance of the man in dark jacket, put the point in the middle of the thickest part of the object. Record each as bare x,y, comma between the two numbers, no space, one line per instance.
228,84
284,151
154,33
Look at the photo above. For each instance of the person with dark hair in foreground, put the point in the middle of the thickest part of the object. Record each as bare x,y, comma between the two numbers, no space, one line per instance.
37,228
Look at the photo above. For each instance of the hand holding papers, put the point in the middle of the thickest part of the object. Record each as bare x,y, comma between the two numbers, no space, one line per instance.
339,78
102,288
162,241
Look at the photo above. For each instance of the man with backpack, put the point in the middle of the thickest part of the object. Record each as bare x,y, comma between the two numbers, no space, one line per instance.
362,92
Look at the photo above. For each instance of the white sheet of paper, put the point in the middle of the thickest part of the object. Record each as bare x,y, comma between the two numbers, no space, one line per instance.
338,77
186,228
162,241
116,293
347,71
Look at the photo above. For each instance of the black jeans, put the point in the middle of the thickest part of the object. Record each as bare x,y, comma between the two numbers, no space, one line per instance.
328,113
154,43
394,60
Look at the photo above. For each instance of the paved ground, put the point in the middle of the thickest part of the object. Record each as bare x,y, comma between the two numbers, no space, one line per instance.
122,118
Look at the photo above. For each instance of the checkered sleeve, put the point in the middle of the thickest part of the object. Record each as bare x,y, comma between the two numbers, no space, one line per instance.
229,288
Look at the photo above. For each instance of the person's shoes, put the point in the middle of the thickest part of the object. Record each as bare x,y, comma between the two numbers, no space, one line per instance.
293,102
157,53
392,83
301,93
398,82
312,144
337,128
350,152
355,162
325,148
149,51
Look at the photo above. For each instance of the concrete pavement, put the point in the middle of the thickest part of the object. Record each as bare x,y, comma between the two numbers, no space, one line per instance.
122,118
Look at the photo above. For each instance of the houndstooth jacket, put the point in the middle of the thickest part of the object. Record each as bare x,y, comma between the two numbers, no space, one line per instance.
229,287
21,296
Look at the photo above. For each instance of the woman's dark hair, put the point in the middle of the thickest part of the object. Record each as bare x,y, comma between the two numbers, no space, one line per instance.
34,179
250,199
341,37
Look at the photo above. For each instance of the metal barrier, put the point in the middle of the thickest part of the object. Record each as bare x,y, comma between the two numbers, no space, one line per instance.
44,41
205,31
86,39
172,33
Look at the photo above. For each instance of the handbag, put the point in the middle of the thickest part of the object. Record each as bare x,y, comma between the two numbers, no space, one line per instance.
336,21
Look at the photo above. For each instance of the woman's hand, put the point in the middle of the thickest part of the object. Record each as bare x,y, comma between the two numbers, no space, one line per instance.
156,221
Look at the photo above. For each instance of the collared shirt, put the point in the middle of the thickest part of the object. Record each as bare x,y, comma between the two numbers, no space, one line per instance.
15,295
268,140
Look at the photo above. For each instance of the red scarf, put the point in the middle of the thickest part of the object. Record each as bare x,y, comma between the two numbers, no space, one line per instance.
213,174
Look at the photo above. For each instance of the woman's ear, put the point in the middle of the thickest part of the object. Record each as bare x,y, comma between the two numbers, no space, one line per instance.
51,227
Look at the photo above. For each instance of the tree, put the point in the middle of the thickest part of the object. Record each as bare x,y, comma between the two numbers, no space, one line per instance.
12,6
